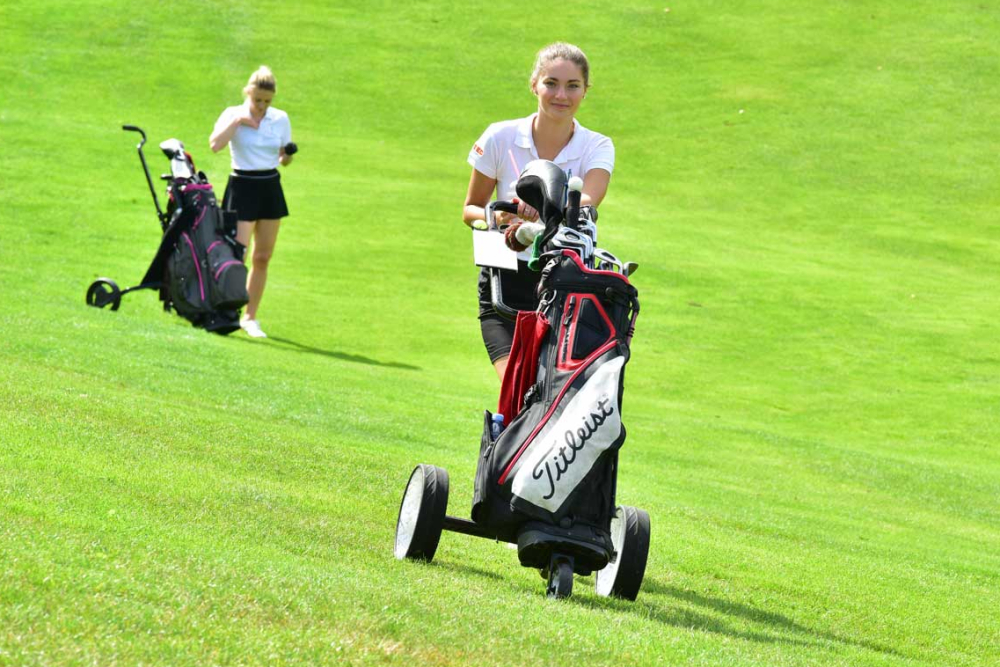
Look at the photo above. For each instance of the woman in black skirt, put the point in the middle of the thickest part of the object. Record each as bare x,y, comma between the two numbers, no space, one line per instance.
559,81
259,139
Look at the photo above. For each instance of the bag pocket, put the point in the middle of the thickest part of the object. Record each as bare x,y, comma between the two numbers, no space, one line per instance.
486,446
187,284
228,277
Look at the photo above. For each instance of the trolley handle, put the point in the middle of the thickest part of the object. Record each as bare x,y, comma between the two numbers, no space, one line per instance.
149,179
496,289
499,205
135,128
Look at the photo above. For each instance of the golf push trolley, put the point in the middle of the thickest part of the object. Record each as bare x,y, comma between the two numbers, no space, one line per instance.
198,267
546,480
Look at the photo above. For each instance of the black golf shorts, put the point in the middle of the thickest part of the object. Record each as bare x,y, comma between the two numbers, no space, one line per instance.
255,195
498,334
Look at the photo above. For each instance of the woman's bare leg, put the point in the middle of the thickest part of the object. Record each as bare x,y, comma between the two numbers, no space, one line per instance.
265,235
244,230
501,366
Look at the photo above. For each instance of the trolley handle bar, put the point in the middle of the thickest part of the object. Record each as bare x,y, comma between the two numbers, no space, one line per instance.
496,289
511,207
149,179
506,206
503,206
135,128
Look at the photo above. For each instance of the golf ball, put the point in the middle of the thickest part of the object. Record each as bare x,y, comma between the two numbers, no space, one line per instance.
576,183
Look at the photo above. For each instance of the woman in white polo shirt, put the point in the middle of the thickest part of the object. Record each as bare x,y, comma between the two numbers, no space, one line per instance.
560,80
259,138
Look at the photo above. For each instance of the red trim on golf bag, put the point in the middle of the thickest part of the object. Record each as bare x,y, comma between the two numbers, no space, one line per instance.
597,272
570,327
522,364
555,404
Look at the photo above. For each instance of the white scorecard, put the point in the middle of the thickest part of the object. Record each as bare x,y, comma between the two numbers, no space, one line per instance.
489,249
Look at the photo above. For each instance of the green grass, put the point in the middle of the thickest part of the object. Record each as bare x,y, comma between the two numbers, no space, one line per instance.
809,188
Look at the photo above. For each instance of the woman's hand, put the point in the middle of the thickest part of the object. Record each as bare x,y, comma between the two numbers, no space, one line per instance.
524,212
248,120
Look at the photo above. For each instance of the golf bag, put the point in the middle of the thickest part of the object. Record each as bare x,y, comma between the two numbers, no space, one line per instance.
547,482
556,461
198,267
204,276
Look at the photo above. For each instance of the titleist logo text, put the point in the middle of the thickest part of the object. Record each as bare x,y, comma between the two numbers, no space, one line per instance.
558,459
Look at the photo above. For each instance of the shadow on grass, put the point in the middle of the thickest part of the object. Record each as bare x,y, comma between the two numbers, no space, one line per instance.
695,620
294,346
685,618
468,569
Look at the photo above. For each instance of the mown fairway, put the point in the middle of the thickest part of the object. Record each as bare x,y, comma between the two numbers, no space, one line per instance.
810,188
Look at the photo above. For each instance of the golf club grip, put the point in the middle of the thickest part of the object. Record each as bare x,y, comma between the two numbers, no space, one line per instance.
573,209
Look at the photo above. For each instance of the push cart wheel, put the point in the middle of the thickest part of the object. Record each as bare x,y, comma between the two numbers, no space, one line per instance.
104,292
623,575
421,513
560,577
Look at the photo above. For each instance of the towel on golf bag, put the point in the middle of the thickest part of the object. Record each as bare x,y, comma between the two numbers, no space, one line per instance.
204,271
522,364
558,456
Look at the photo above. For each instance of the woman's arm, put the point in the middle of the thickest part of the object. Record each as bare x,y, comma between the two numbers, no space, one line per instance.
481,187
285,159
222,136
595,186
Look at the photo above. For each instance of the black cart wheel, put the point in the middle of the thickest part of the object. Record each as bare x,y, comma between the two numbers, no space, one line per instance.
622,577
104,292
421,513
560,577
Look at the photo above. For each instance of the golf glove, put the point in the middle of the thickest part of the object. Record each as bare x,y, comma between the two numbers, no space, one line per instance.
510,238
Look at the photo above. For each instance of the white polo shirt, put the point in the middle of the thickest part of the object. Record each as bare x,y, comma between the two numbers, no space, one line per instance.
256,149
506,147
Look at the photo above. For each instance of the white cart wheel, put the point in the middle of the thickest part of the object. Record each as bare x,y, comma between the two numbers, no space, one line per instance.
622,577
421,513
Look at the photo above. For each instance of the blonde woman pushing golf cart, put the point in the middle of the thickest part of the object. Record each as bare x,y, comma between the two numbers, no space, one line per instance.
259,137
560,80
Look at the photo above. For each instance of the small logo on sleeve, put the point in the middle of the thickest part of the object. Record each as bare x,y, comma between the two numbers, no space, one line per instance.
478,149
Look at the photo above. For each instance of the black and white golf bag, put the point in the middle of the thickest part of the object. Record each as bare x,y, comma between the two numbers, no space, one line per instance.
555,463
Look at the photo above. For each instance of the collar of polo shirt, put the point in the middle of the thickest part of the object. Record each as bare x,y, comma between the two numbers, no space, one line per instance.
267,112
570,151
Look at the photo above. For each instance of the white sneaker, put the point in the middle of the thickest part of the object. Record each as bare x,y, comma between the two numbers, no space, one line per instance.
252,327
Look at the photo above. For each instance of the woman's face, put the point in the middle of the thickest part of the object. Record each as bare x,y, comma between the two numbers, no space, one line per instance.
260,100
560,88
